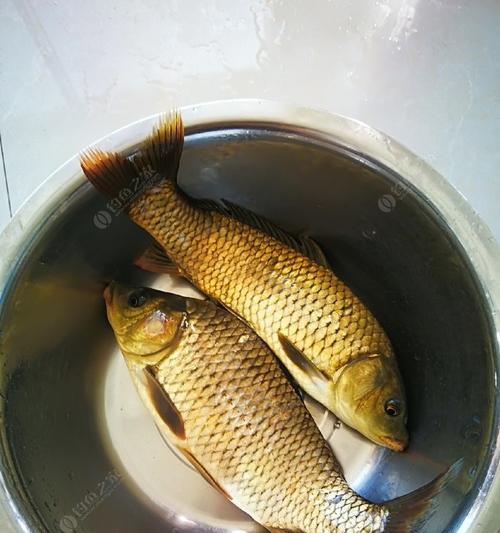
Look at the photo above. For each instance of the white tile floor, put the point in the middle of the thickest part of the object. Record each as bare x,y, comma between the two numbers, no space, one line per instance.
427,73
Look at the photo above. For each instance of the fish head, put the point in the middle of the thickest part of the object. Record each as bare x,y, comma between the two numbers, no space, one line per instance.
369,397
147,323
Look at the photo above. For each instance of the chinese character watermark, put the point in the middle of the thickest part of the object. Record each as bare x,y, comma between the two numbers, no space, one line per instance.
79,512
146,178
387,202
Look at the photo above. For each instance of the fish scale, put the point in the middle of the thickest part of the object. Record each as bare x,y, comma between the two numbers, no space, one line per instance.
221,280
214,382
263,295
263,443
280,286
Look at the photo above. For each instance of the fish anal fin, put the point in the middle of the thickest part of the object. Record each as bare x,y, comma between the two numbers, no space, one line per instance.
163,404
126,178
154,259
300,361
204,472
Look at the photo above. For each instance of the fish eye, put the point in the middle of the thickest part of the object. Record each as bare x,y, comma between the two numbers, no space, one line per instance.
392,407
137,299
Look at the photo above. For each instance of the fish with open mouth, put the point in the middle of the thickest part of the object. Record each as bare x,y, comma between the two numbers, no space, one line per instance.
279,285
218,394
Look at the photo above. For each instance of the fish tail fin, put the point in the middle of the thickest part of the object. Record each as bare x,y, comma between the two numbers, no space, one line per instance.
162,150
410,512
109,172
157,159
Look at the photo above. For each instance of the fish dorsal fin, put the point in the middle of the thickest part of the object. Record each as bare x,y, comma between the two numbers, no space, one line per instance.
204,472
303,244
300,361
163,404
154,259
208,205
312,249
261,223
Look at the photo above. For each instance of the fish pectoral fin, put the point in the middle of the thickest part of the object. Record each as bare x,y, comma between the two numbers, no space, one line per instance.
204,472
154,259
169,414
163,404
299,360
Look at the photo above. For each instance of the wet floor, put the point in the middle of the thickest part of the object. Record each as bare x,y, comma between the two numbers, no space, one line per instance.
426,73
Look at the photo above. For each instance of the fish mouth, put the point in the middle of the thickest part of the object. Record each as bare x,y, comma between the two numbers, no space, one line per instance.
394,444
108,293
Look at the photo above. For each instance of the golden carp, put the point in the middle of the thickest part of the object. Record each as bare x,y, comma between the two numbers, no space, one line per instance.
280,286
219,395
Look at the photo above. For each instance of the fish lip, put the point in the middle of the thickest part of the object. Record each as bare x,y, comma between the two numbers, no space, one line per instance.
108,293
394,444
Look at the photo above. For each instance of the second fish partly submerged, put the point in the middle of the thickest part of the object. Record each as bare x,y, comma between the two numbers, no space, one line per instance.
218,394
327,338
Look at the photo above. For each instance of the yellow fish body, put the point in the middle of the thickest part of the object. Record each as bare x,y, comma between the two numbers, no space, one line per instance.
218,394
280,286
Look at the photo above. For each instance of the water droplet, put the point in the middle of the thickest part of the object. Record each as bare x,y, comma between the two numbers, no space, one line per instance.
472,432
369,234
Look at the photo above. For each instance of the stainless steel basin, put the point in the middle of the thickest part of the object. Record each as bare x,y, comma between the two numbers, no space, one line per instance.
79,453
